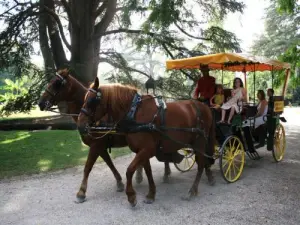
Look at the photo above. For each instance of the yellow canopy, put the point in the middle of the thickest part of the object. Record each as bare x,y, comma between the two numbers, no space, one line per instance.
238,62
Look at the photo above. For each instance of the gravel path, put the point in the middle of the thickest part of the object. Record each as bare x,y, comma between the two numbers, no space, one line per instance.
267,193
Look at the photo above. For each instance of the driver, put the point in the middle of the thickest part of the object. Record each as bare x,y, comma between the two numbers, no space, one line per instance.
205,86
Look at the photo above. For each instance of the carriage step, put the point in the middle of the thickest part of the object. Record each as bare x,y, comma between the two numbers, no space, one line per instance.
253,155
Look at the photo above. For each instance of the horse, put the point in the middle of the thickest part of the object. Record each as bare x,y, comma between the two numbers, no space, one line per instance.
187,122
65,88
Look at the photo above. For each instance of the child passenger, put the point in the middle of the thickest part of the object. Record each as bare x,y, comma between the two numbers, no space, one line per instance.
218,98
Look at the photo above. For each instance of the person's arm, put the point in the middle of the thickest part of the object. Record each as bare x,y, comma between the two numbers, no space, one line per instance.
211,100
244,93
196,93
262,108
212,86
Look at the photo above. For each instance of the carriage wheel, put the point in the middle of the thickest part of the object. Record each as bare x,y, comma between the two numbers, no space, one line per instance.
232,159
188,161
279,143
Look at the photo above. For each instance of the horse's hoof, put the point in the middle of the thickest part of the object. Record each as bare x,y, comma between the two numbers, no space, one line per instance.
186,198
80,199
120,186
133,204
148,201
166,179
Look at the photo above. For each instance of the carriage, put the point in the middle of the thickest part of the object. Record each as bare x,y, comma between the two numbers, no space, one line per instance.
233,144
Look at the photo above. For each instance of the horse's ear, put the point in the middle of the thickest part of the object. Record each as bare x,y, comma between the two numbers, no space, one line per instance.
64,72
96,83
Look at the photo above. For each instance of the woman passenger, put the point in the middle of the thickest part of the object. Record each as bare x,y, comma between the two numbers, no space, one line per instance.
238,94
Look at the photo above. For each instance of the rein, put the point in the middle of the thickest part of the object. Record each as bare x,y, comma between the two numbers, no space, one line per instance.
63,114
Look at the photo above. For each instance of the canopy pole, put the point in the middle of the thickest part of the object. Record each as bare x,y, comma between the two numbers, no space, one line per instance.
254,86
287,77
246,86
222,76
272,72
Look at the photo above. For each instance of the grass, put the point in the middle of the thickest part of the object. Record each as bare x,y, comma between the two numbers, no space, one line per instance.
34,113
23,152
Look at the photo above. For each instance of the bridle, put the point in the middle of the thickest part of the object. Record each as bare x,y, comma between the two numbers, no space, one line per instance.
62,80
93,102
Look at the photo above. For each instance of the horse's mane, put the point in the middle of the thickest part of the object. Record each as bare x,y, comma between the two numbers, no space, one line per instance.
117,96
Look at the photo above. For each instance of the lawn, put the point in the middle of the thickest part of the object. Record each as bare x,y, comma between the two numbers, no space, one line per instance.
24,152
34,113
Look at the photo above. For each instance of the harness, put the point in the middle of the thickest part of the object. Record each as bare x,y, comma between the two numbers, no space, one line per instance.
129,124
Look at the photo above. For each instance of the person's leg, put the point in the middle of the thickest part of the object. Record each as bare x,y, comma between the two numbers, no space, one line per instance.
261,133
223,115
231,114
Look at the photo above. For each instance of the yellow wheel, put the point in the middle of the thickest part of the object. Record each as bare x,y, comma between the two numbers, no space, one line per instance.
279,143
232,159
188,161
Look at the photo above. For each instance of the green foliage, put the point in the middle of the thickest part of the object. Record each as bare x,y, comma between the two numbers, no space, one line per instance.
281,41
288,6
163,25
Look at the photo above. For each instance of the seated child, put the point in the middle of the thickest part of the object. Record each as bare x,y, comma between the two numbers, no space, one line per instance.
218,98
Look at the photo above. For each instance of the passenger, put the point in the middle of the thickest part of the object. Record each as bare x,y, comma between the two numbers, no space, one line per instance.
218,98
237,94
270,93
259,133
262,109
205,86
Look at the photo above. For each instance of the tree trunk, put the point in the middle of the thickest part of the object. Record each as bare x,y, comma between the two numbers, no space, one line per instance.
44,45
58,52
84,49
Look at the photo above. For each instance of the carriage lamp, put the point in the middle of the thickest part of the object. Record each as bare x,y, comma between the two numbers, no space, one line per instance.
150,84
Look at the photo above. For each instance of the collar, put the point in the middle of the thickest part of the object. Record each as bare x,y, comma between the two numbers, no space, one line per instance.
135,102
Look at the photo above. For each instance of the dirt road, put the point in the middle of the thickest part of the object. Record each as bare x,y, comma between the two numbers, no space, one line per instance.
267,193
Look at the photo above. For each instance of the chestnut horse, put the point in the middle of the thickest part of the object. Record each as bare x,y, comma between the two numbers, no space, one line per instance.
65,88
187,122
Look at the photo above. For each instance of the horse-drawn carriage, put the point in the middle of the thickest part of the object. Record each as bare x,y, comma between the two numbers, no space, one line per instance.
151,127
232,142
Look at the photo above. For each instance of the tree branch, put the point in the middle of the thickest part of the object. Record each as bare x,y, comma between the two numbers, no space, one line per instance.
68,11
172,56
107,18
60,27
189,35
125,68
101,9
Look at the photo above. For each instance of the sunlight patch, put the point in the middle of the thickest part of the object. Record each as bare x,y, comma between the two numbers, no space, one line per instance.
44,164
8,141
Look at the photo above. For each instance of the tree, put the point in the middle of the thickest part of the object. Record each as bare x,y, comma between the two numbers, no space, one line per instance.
85,30
281,41
288,6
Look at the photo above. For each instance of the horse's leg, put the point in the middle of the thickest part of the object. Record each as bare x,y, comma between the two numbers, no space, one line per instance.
92,157
139,175
167,172
210,152
105,156
138,160
152,189
194,189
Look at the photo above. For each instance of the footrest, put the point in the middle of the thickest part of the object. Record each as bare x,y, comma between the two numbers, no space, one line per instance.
253,155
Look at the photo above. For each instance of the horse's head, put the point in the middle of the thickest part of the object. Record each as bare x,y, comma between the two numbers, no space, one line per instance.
58,89
93,107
